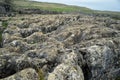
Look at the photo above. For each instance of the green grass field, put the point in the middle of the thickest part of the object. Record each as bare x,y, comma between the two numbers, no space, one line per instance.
60,8
27,4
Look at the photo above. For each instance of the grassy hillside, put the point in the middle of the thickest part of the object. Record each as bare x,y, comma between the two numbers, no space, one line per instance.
26,4
29,4
62,8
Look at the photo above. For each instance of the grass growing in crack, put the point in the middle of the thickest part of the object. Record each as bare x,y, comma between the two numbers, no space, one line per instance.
40,74
118,78
4,24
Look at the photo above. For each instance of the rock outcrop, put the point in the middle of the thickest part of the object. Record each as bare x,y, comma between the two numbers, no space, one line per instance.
27,74
61,47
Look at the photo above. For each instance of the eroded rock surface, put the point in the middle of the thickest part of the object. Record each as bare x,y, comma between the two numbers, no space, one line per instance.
63,47
26,74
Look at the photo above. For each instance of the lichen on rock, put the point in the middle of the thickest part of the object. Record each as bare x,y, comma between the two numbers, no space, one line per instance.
60,47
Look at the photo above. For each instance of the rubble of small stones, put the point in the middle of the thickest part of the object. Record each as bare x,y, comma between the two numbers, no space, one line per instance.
60,47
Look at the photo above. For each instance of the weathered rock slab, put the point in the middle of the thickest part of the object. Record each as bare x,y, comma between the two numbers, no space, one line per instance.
26,74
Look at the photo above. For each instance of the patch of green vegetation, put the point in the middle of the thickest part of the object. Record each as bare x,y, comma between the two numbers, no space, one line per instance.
113,15
9,19
40,74
26,4
4,24
118,78
62,8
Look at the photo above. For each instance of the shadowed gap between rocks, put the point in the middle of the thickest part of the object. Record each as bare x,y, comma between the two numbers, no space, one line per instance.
86,72
11,68
1,43
9,72
85,68
48,30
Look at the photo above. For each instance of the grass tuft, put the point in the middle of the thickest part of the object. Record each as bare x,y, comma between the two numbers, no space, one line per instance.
40,73
4,24
118,78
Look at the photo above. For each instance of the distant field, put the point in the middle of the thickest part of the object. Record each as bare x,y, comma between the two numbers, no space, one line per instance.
25,4
61,8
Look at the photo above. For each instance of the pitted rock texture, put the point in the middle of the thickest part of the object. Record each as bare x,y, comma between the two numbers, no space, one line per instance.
63,47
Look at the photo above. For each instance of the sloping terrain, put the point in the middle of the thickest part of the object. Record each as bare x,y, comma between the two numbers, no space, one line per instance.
13,7
60,47
29,4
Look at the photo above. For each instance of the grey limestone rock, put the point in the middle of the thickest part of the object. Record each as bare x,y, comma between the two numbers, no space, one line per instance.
61,47
26,74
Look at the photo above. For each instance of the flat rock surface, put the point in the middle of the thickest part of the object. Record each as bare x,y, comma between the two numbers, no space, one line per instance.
61,47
